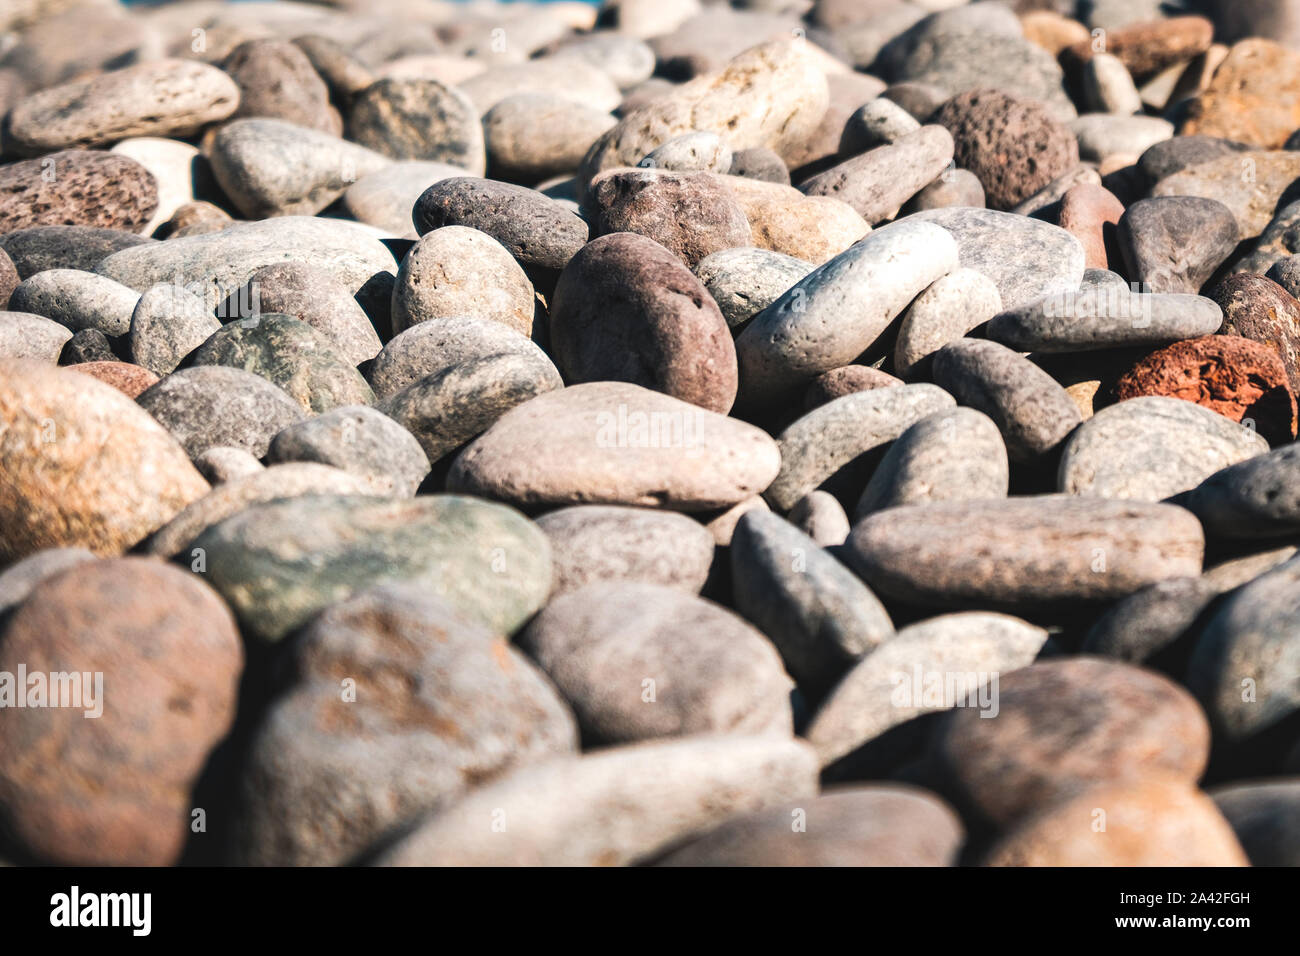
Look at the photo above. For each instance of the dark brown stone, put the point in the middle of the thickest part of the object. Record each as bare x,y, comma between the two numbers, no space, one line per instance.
1259,309
1147,48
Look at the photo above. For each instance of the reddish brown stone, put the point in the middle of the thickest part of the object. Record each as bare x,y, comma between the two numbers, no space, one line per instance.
77,187
1089,212
128,379
1253,98
1228,374
839,382
1147,48
116,789
1259,309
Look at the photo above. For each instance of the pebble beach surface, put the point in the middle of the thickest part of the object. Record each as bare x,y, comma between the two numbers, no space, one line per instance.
793,432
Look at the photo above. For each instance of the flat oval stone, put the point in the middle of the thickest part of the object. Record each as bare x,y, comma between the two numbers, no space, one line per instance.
361,441
579,81
953,187
38,248
953,305
743,281
168,323
534,136
839,310
648,449
215,265
277,80
456,271
615,806
1256,498
27,336
384,199
78,300
1152,621
218,405
690,214
272,168
1263,815
119,793
160,98
1245,668
430,347
279,564
878,182
401,749
457,404
627,309
292,355
871,825
603,544
1065,725
1090,212
708,670
845,380
821,517
896,683
1102,135
1032,550
1027,259
311,295
1192,832
81,465
951,455
1033,413
829,447
418,119
819,615
536,230
1151,448
1175,243
77,187
1105,318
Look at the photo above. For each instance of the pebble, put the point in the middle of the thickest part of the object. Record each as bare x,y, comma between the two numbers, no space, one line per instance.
821,517
745,281
1241,380
612,647
77,187
431,347
276,80
162,98
1034,549
820,616
877,123
693,152
311,295
458,270
1245,667
1067,725
407,747
27,336
165,650
1027,259
1256,498
782,219
580,82
1192,832
78,300
627,309
823,146
272,168
1251,184
761,163
1175,243
1089,213
1262,311
19,579
280,563
88,345
904,678
1101,135
1252,97
290,354
1105,318
1174,155
828,448
952,455
82,465
1152,448
360,440
9,278
1285,272
689,214
838,311
611,544
1263,817
167,324
178,169
419,119
952,306
1033,413
667,453
211,405
384,199
1015,147
220,465
626,59
1150,625
1108,86
878,182
130,380
954,187
845,380
615,806
343,73
531,137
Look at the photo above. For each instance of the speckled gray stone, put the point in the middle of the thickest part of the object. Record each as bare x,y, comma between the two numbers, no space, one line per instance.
1175,243
79,300
608,543
952,455
1257,498
1033,413
878,182
430,347
88,345
534,136
744,281
1033,550
384,198
219,405
1105,318
877,123
1151,448
691,152
954,187
953,305
38,248
826,447
310,294
169,322
418,119
820,616
360,440
638,661
27,336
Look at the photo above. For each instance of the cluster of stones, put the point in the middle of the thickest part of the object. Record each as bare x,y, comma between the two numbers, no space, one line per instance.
830,432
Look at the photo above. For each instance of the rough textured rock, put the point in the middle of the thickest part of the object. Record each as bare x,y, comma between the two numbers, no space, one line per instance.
419,119
167,324
1253,97
77,188
37,248
1260,310
128,379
